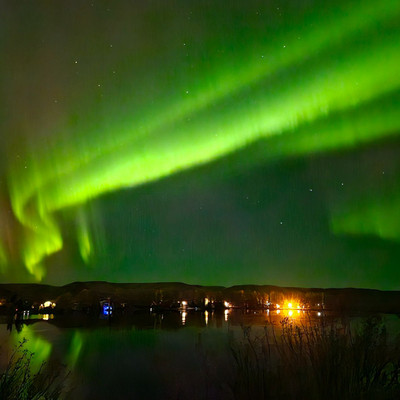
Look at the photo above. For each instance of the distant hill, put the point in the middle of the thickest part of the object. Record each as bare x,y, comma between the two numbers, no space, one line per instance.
78,295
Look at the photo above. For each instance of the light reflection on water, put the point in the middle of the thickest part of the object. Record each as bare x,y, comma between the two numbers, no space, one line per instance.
226,315
45,317
184,317
117,354
40,343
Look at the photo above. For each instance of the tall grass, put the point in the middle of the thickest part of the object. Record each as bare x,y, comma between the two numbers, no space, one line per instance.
18,382
317,361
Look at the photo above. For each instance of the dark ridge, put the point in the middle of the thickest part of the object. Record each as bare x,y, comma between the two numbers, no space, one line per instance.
83,295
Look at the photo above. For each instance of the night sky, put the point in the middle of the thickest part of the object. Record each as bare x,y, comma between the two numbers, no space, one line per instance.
207,142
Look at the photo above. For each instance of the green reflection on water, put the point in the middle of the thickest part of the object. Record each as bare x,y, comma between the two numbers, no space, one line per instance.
75,348
40,347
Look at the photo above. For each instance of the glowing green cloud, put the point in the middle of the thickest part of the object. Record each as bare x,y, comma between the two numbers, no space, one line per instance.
84,237
370,217
3,258
328,84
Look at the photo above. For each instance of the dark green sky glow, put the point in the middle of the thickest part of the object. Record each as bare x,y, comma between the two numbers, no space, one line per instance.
211,142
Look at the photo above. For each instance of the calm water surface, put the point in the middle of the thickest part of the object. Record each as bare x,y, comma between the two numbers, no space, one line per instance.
178,355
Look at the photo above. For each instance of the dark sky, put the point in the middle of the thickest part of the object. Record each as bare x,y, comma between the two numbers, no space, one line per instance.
212,142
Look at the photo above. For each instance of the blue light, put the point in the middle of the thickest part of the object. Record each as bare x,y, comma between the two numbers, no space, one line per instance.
107,309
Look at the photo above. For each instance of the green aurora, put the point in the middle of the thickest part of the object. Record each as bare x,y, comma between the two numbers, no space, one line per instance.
100,99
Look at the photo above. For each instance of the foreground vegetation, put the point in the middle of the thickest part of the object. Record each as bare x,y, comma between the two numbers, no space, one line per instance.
317,361
18,382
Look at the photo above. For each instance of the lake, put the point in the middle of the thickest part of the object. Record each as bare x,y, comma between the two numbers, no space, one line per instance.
175,355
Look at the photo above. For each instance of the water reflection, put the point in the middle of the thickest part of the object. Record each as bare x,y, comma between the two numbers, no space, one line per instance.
45,317
34,343
184,317
75,348
133,344
226,314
